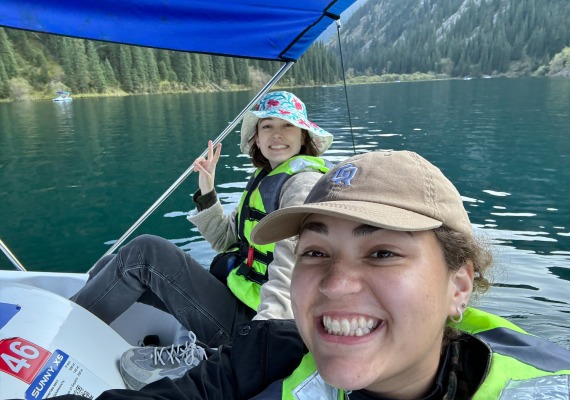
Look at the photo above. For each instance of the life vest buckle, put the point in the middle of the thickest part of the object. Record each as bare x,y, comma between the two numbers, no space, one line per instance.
250,256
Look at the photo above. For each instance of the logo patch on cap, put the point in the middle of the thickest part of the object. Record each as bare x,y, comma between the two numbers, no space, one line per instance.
344,174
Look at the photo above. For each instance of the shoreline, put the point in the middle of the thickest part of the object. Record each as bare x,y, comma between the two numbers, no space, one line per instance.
360,80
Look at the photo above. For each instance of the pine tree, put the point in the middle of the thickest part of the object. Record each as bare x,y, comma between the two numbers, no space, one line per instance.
139,73
81,78
65,50
207,68
198,76
166,73
241,67
181,65
218,68
110,77
98,82
125,68
152,70
4,92
41,78
7,55
230,71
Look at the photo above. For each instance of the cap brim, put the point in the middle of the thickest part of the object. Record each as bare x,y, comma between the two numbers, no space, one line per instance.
286,222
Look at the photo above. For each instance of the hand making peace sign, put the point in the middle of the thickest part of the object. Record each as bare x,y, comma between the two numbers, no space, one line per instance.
206,167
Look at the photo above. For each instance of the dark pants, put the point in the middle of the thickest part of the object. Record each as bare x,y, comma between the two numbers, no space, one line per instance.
152,270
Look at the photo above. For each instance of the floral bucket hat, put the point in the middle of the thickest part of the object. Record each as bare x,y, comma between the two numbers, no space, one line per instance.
287,106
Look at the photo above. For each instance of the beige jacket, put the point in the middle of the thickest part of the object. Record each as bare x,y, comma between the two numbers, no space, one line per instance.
219,230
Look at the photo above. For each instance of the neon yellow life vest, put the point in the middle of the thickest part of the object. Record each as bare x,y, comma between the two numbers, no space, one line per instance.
520,363
261,196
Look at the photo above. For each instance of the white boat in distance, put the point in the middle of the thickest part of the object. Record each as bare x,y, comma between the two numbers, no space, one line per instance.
63,96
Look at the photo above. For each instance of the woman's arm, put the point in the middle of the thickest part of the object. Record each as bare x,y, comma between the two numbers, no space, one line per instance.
215,226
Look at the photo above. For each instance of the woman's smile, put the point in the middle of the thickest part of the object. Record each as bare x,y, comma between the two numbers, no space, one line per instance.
349,326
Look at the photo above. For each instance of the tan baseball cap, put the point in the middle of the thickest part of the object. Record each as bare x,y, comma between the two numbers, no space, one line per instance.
398,190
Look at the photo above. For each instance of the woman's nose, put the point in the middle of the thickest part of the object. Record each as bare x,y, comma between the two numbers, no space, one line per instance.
340,279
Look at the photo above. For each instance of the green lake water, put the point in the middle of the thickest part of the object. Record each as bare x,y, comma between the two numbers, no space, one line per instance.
75,176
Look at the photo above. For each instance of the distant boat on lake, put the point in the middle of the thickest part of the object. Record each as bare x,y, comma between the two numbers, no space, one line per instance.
63,96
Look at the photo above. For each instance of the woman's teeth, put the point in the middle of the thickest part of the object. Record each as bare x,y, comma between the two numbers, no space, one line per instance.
357,326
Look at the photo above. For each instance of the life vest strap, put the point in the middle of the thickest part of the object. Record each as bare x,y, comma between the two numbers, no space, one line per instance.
253,215
251,274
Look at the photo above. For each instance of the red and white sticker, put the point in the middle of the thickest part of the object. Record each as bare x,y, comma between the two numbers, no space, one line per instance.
47,374
22,359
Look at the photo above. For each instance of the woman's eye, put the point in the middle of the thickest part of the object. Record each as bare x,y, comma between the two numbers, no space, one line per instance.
383,254
312,253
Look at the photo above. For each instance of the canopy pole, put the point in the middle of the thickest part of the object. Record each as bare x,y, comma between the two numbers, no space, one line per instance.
11,256
186,173
345,87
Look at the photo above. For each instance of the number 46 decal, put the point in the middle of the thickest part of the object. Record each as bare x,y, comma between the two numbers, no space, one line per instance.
21,359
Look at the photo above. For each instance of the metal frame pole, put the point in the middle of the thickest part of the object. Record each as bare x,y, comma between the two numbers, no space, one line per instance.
11,256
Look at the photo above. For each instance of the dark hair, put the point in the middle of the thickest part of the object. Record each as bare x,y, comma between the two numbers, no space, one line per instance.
308,148
459,248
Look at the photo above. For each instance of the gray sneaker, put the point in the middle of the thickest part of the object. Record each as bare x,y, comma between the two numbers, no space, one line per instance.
140,366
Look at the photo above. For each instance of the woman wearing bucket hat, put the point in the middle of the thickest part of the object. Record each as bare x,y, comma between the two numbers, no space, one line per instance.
386,265
244,280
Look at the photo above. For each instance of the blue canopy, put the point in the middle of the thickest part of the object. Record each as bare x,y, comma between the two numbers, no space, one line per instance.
262,29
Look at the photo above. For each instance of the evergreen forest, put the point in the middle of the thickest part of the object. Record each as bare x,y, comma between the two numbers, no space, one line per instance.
459,38
383,40
36,64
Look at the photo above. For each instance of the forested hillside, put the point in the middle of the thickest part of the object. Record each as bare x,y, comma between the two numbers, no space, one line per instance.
34,64
384,39
456,37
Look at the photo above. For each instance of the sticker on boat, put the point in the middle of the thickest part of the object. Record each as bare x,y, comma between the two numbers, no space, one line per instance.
47,374
50,346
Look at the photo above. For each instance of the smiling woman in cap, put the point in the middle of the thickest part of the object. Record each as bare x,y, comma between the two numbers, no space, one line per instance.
386,265
244,280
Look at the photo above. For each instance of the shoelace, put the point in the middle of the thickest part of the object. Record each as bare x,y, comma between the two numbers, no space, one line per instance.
175,354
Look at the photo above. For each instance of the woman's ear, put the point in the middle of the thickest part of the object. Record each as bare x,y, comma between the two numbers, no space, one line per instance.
462,281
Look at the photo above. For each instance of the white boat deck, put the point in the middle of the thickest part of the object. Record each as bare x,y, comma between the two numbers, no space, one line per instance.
137,322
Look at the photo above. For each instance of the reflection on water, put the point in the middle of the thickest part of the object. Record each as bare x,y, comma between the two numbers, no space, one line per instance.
74,176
